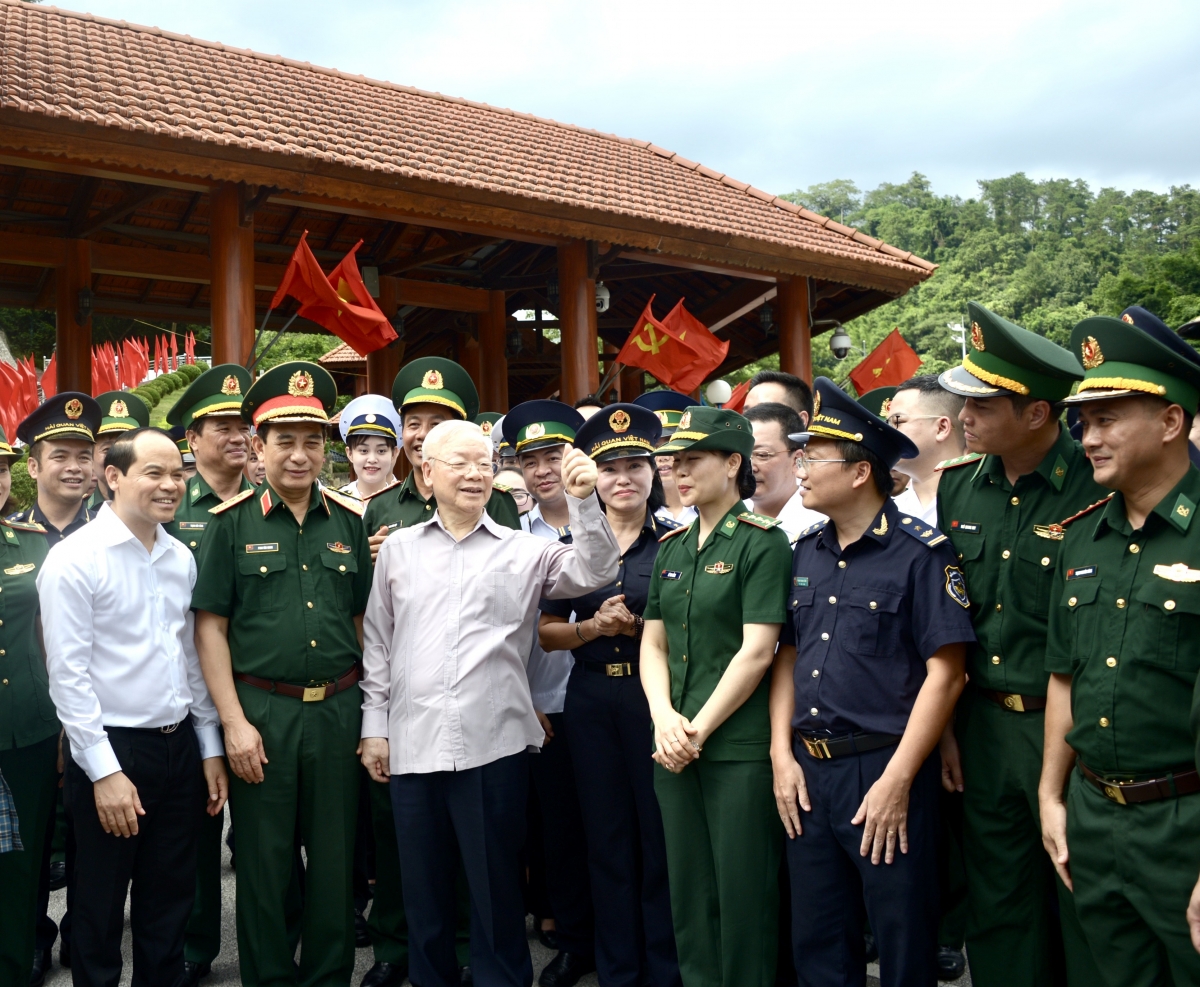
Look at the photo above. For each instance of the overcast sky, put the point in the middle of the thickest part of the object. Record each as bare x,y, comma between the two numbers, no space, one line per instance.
784,94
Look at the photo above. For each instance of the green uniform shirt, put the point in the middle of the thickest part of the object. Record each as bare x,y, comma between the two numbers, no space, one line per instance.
1126,626
1009,567
402,506
740,576
191,520
291,591
26,713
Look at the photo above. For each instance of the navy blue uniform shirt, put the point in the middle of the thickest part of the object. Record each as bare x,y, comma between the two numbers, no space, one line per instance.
865,620
633,579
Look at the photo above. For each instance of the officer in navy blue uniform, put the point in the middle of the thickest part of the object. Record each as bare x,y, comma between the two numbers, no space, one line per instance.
607,716
868,671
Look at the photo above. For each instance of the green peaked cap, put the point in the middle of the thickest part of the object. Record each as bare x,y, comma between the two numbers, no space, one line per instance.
6,450
122,412
1121,360
877,401
216,392
298,391
436,380
1003,358
701,427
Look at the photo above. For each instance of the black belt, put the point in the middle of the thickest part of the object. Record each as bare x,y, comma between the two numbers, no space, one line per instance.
852,743
1172,784
613,669
307,693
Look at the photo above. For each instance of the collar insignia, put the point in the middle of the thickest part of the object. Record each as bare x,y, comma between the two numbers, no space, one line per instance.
882,529
300,385
619,421
1090,353
73,408
977,337
432,381
230,385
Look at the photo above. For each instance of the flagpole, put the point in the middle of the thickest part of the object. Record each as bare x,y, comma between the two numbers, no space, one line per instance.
278,336
608,378
258,337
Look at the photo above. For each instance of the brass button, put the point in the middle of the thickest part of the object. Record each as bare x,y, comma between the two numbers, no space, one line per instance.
1015,501
304,567
429,507
995,659
6,681
309,604
193,544
813,711
312,644
833,599
685,657
1169,605
1111,662
1135,548
999,607
301,531
842,564
1120,604
825,635
685,627
618,582
815,673
1072,601
873,605
1045,560
1104,721
341,568
262,568
1005,554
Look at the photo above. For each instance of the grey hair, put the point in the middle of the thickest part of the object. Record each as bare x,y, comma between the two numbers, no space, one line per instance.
444,433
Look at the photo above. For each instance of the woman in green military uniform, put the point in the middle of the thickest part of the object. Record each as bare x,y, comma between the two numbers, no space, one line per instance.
28,731
717,600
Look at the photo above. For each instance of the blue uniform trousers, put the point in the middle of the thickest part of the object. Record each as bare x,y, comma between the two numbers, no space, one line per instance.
480,813
831,881
610,737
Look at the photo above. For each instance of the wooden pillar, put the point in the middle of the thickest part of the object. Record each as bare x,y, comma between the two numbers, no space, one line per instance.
231,242
577,320
632,383
795,331
73,339
384,364
493,326
466,353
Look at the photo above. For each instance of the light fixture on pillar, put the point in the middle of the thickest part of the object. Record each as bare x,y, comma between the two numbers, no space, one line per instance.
766,319
552,292
84,303
512,343
603,297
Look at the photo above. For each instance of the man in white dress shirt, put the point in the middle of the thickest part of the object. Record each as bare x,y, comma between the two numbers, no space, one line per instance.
777,491
928,414
448,715
143,755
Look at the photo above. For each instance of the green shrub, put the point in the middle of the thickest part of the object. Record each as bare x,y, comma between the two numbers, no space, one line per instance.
24,490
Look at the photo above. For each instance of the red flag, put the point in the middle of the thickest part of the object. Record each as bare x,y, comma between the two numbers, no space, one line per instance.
339,303
710,351
680,352
50,379
893,361
738,398
8,417
190,346
174,353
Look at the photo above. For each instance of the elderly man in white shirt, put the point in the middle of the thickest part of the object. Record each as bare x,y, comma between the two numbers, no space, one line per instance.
448,713
143,753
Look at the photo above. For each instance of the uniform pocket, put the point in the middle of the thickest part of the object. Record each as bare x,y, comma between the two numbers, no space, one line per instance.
339,570
1035,573
1162,612
873,624
263,586
1078,601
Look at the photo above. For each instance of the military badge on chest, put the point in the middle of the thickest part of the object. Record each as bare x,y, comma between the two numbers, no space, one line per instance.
718,569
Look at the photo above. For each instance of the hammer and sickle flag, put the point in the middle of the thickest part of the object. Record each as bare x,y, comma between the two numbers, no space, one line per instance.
679,351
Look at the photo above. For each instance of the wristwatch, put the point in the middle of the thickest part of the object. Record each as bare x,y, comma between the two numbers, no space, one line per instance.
639,625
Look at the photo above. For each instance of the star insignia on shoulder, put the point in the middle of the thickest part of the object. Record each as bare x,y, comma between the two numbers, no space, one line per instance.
759,520
231,502
352,504
677,531
949,464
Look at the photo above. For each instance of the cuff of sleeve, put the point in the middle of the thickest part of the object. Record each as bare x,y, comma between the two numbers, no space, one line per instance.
375,723
211,744
764,617
98,761
587,509
1059,666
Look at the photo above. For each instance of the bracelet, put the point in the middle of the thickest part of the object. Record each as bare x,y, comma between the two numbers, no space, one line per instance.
579,632
639,625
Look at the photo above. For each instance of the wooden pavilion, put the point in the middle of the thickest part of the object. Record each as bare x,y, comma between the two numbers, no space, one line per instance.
154,175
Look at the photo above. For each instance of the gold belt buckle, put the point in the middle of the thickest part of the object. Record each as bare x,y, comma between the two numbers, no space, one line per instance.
817,748
1014,702
1113,792
618,669
314,693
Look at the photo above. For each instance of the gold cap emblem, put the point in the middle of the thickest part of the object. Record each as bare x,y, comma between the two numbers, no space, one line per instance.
432,381
535,431
1127,318
73,408
1090,353
662,416
231,385
118,410
977,337
300,385
486,427
816,404
619,421
885,408
685,421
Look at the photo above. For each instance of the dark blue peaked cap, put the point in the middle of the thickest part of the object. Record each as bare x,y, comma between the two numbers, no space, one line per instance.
836,415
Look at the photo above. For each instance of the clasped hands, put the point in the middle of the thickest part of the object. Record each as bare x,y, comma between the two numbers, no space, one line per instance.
677,741
614,618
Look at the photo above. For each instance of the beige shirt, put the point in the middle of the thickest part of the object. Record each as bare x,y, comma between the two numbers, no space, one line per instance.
447,633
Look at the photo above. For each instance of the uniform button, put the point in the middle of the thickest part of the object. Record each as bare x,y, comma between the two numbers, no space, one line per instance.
193,544
999,607
842,564
687,592
620,562
429,507
2,652
1111,662
1,623
312,644
6,681
1134,549
1104,721
1072,601
1121,604
833,599
310,604
825,636
618,582
1169,605
1045,560
813,711
301,531
341,568
1015,501
685,627
873,604
304,567
1005,554
815,673
995,659
685,657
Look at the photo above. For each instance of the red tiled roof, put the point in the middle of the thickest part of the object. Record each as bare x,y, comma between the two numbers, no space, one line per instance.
111,74
343,353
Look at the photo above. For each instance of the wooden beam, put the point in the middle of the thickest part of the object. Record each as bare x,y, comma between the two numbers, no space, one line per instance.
73,339
232,276
431,294
694,265
139,196
435,256
795,330
493,325
577,313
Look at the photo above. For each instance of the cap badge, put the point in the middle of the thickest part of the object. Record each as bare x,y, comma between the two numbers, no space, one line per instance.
486,427
662,416
885,408
369,419
816,404
118,410
231,385
300,385
535,431
432,381
685,422
619,421
977,337
73,408
1127,318
1090,353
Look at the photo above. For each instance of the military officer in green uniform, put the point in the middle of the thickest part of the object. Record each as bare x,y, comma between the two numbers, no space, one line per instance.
718,595
210,412
999,504
122,411
28,734
284,575
1120,813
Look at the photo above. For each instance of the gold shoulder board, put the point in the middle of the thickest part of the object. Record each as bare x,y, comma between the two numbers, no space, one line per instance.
232,501
352,504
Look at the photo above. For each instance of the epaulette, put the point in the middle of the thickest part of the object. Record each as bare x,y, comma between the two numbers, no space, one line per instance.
926,534
812,529
394,483
667,524
1055,531
352,504
949,464
678,531
25,526
231,502
502,487
759,520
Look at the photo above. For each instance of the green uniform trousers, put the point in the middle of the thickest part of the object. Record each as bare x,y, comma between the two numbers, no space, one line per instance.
1134,867
202,940
312,776
1013,936
724,843
31,775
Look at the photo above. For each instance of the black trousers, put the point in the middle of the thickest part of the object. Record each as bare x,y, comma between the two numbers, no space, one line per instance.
160,860
480,814
611,736
900,898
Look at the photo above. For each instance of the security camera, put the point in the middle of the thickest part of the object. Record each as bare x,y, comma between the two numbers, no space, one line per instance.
603,297
840,343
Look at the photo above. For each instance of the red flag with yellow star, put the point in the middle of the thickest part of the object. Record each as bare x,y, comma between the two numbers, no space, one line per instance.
893,361
679,351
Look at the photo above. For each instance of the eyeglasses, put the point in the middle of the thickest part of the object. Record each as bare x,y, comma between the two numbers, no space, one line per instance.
764,457
464,469
806,462
897,420
522,497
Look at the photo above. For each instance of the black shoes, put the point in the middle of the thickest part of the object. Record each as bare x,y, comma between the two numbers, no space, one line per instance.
951,963
64,953
362,938
193,972
42,961
566,970
58,875
384,975
547,937
465,977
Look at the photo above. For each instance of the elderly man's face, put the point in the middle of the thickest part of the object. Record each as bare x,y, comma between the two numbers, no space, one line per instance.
460,475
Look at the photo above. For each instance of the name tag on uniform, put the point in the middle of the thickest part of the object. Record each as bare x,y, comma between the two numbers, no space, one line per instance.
670,574
394,525
1082,571
192,525
970,527
269,546
799,580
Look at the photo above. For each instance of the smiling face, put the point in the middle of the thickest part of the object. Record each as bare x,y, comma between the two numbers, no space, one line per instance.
152,489
62,470
624,484
705,477
220,444
774,467
824,484
460,473
1124,437
416,422
373,459
293,453
542,469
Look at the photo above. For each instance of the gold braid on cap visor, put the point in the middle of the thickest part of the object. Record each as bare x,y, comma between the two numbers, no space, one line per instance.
994,379
630,443
414,398
1123,384
835,433
212,409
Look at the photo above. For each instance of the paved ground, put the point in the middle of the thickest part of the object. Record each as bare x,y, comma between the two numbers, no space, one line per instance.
225,969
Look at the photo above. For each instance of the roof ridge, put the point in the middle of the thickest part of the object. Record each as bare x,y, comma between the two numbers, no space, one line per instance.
710,174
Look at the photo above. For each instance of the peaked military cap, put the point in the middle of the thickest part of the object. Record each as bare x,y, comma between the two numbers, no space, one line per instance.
878,401
178,435
668,405
540,424
1190,329
7,452
1133,355
291,392
121,412
216,392
487,420
436,380
370,414
1005,359
618,431
702,427
836,415
69,415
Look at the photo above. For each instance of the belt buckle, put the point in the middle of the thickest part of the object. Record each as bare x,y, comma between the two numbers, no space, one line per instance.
314,693
1112,791
817,748
1014,702
171,729
617,669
